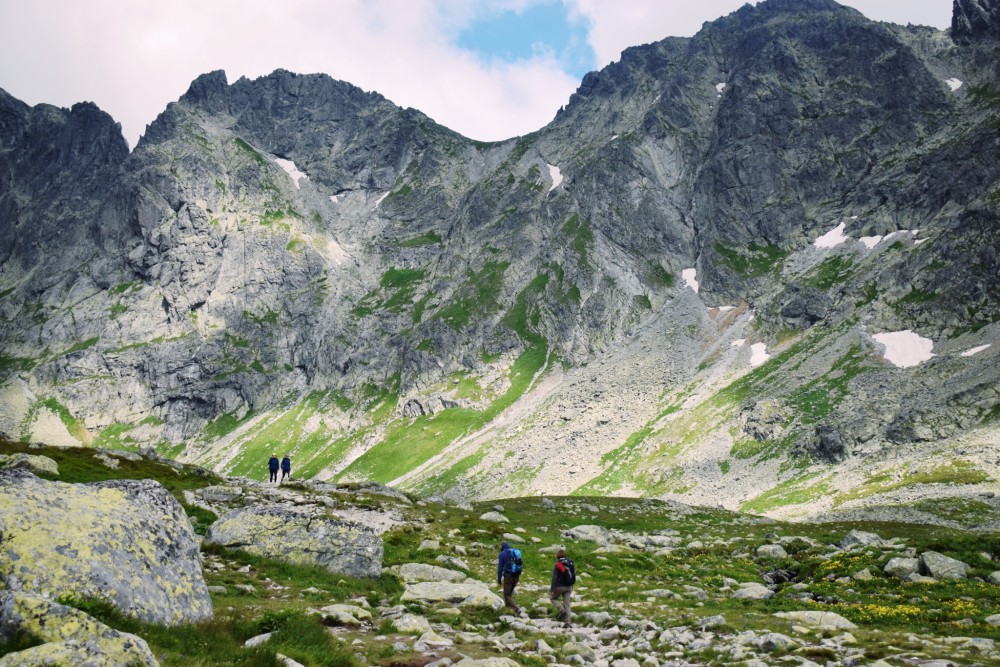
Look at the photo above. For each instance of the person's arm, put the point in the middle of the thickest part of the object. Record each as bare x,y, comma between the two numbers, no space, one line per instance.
555,577
501,562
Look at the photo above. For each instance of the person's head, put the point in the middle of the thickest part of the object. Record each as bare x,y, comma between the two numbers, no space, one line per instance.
286,456
504,546
274,456
560,554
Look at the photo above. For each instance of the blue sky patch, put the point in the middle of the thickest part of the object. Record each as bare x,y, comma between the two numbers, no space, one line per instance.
543,27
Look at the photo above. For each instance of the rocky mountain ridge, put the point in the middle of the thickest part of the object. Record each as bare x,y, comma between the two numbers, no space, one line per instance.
674,289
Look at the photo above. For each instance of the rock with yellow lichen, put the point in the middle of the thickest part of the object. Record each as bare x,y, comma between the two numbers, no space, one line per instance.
301,536
69,636
40,465
127,542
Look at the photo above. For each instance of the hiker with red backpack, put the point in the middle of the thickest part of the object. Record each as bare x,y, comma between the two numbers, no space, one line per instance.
509,568
563,579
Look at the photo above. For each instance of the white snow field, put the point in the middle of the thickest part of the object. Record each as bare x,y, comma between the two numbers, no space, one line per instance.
555,175
870,241
832,238
905,349
954,83
976,350
758,354
292,171
690,277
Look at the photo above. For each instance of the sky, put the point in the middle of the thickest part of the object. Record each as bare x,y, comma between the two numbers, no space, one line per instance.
489,69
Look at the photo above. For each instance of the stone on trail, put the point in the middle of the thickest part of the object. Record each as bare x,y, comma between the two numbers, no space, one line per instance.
70,636
901,567
495,517
487,662
940,566
818,619
126,542
412,624
469,593
301,537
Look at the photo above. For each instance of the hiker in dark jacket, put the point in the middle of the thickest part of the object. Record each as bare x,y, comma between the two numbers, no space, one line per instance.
563,578
286,468
272,466
506,577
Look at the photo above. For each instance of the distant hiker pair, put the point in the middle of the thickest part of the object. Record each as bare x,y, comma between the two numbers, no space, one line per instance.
509,568
285,465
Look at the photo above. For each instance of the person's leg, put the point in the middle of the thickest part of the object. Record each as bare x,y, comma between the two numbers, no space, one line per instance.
509,583
567,615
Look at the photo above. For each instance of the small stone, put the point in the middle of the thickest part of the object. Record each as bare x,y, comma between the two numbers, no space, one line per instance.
495,517
258,640
429,545
994,578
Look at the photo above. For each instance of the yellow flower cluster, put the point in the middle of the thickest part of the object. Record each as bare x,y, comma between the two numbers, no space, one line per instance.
897,613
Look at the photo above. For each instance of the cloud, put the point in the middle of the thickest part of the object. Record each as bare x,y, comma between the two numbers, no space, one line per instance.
132,58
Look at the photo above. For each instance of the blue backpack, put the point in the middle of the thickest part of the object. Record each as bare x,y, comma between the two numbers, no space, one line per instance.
514,563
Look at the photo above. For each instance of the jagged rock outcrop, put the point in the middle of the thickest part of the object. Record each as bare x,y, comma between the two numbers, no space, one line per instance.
292,259
303,537
126,542
975,21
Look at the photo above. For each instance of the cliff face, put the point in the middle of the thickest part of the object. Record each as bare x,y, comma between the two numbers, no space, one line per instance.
292,261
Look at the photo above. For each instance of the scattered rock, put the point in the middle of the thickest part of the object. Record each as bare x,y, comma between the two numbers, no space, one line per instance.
753,591
412,624
346,614
588,533
495,517
469,593
857,537
775,551
994,578
414,572
818,619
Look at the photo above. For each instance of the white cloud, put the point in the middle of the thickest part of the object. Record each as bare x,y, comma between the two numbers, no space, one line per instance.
132,58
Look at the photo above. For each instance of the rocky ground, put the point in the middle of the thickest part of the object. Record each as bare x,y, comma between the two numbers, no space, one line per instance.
411,581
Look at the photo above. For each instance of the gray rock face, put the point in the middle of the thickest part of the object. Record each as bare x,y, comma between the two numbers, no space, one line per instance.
975,20
127,542
195,281
860,538
301,537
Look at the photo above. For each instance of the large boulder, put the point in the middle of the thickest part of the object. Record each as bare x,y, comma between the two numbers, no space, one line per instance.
818,619
940,566
301,536
414,572
860,538
901,567
127,542
69,636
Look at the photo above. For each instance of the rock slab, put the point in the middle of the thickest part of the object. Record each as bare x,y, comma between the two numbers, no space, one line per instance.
302,537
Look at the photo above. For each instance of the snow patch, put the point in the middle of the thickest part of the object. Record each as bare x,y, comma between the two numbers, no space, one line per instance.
832,238
613,137
905,348
336,252
758,354
555,175
726,309
739,342
954,83
919,241
719,87
975,350
690,277
380,199
292,171
870,241
335,198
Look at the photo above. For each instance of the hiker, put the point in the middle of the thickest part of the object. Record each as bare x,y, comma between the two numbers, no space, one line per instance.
286,468
563,578
509,567
272,466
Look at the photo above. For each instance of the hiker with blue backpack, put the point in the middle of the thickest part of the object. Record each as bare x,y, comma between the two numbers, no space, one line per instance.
509,568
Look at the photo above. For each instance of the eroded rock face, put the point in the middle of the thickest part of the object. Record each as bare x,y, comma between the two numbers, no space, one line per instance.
72,637
301,537
127,542
975,20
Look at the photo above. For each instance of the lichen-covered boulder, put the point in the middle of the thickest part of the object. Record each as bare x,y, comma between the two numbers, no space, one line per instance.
40,465
71,637
301,536
818,619
588,533
901,567
127,542
414,572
